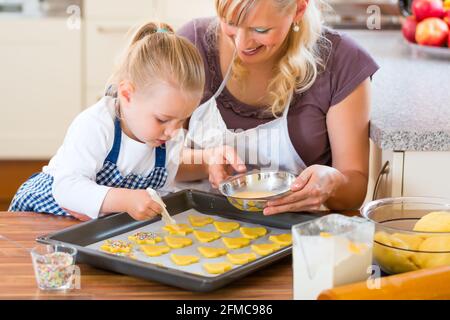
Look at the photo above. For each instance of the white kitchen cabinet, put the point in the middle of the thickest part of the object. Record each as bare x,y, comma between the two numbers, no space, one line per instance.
109,25
40,85
177,12
409,174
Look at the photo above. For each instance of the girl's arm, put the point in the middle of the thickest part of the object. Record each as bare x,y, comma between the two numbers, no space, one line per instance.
215,163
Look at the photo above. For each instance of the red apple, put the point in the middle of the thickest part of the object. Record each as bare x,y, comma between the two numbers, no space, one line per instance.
409,28
423,9
447,17
432,32
448,42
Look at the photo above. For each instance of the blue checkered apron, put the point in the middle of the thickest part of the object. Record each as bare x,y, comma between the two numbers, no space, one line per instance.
35,194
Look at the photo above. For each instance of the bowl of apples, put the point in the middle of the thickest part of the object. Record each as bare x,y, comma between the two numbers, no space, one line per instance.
427,29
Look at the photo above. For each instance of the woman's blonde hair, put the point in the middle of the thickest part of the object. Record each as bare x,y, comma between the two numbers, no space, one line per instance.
299,66
157,54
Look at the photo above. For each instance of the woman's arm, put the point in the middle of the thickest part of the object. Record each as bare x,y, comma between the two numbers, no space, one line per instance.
348,130
344,185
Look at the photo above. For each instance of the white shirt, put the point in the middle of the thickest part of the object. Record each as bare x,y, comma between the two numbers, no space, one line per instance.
88,141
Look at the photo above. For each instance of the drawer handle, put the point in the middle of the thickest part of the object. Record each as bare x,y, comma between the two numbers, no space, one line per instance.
384,170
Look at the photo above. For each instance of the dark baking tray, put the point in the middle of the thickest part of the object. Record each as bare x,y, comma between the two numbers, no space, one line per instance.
104,228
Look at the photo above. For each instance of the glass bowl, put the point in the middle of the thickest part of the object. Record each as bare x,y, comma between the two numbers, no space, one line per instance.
251,191
397,247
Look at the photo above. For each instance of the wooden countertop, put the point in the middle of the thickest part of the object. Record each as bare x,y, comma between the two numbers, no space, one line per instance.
18,282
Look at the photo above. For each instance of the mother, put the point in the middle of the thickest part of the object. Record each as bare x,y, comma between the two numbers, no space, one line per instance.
275,72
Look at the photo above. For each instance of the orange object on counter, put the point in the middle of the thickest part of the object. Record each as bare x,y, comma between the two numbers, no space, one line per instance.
425,284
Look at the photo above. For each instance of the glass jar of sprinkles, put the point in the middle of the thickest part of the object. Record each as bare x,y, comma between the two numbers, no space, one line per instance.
54,266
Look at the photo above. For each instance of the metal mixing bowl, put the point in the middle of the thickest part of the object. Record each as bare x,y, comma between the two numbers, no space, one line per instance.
278,182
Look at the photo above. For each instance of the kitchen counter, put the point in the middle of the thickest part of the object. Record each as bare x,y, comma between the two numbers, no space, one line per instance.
410,96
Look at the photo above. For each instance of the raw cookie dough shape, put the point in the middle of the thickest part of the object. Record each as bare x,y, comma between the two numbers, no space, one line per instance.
209,252
226,227
284,239
253,233
206,236
184,260
439,255
236,243
154,250
177,242
181,229
241,258
437,221
200,221
217,268
265,248
116,246
145,238
395,260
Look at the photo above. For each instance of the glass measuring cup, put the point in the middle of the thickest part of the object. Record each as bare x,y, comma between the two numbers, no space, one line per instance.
330,251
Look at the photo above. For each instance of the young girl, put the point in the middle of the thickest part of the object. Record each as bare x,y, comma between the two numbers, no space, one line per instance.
122,145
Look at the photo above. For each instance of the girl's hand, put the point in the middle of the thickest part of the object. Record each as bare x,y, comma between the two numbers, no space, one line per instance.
221,163
140,206
77,215
310,190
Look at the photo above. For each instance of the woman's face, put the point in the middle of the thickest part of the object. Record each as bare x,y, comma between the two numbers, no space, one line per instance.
260,36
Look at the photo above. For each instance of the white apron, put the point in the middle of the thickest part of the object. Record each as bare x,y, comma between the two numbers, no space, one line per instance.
265,147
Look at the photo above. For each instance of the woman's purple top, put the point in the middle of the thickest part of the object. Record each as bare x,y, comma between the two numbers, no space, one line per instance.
347,65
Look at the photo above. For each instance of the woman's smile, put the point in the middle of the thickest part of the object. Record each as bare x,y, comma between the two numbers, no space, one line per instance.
252,51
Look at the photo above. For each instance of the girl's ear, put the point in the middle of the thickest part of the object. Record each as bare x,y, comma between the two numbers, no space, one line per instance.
300,11
125,90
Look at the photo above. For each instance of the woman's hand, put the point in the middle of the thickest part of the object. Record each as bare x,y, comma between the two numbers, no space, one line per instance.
222,161
310,190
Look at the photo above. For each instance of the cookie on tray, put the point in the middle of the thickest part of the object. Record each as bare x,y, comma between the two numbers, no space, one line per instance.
217,268
177,242
241,258
184,260
265,248
154,250
206,236
145,238
181,229
253,233
236,243
116,246
226,227
209,252
284,239
200,221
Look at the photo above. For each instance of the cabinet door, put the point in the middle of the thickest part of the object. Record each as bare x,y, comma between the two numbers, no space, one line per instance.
427,174
40,84
116,10
177,13
105,43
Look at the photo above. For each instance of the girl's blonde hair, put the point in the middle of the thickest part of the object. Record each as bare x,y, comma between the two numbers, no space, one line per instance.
157,54
299,66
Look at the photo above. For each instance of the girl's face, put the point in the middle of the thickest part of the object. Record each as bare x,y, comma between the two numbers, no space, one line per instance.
260,36
155,116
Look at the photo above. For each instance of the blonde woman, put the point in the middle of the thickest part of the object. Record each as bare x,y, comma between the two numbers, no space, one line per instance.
298,91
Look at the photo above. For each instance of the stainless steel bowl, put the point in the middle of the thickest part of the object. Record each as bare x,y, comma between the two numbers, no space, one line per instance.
278,182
